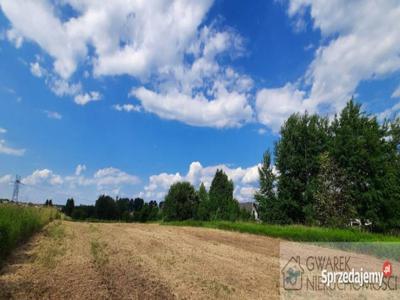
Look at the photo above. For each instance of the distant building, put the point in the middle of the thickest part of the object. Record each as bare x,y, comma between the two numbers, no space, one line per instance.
252,208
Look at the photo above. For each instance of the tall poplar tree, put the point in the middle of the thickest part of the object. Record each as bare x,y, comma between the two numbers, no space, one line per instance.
222,204
265,197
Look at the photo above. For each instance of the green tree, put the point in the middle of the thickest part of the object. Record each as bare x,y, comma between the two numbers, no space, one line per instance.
106,208
265,197
123,207
203,210
303,139
334,205
69,207
137,204
360,147
181,202
222,205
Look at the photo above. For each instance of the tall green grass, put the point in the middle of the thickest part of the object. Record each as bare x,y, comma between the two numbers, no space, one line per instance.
298,233
379,245
17,223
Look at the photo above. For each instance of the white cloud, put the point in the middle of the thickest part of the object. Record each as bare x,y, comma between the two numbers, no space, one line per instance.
43,176
203,93
145,40
80,169
363,43
56,38
226,110
6,179
53,115
129,37
4,149
2,130
159,184
62,87
396,93
83,99
113,176
15,37
127,107
36,69
245,179
45,183
360,42
275,105
389,113
262,131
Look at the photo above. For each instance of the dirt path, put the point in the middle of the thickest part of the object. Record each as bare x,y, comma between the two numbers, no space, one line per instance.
141,261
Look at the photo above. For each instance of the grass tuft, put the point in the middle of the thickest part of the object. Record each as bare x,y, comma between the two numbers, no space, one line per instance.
98,252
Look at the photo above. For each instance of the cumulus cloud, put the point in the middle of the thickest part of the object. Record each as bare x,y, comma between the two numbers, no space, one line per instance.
5,149
226,110
45,183
53,115
43,176
129,37
3,130
275,105
203,93
146,40
364,43
110,177
360,42
245,180
113,176
83,99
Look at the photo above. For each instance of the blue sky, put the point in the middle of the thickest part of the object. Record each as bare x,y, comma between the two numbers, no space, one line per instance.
125,98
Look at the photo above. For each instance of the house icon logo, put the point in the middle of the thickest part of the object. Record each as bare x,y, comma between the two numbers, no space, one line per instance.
292,274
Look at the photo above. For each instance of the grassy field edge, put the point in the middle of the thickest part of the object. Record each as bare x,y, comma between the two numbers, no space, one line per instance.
18,223
298,233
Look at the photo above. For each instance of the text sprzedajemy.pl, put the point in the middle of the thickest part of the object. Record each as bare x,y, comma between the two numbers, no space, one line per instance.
351,277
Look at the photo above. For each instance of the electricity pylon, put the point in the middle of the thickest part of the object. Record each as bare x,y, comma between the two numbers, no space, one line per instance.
17,182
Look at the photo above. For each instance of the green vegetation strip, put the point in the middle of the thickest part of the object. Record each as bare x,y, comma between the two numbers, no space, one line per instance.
297,233
380,245
17,223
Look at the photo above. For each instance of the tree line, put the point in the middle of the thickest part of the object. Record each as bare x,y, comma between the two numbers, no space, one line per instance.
108,208
329,172
182,202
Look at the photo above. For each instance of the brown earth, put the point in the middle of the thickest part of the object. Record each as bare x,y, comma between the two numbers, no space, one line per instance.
71,260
